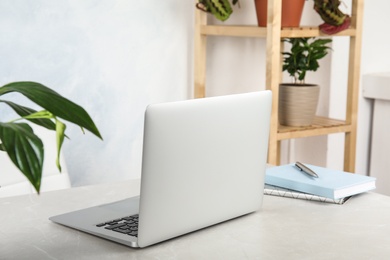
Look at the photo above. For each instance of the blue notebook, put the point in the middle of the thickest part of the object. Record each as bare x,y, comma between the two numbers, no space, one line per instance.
329,184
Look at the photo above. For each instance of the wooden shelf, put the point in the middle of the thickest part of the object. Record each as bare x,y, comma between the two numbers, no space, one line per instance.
312,32
261,32
273,35
237,31
320,126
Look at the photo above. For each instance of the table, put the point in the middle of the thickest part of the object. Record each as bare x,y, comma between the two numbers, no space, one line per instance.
283,229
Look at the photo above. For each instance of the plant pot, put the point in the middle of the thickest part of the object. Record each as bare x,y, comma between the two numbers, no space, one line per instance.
291,12
297,104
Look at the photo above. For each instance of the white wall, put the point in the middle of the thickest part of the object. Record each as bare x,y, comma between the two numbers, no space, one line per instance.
114,57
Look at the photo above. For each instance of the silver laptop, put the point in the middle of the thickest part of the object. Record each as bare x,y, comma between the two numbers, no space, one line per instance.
203,163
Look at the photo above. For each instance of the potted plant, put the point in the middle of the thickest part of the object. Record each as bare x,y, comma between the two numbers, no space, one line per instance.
298,101
291,12
17,139
221,9
334,19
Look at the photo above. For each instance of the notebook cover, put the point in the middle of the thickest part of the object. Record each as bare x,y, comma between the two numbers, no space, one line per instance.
330,183
282,192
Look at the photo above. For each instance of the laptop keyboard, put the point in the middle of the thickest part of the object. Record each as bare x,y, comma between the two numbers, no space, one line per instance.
126,225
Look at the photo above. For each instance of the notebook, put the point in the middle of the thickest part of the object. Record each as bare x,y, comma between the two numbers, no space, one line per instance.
293,194
329,184
203,163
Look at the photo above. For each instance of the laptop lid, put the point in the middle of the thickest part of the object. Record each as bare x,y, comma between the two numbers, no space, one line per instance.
203,163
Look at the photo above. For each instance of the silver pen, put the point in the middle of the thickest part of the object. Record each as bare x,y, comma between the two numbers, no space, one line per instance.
306,169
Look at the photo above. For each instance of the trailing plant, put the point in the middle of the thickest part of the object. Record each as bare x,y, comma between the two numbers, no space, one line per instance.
334,19
17,139
221,9
304,56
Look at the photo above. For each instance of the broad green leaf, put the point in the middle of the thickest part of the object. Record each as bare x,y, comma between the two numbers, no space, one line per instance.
25,111
320,42
25,149
53,102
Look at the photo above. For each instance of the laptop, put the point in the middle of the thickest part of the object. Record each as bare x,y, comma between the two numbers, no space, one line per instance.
203,163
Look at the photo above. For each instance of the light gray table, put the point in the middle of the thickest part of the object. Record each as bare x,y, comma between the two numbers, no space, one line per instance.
284,229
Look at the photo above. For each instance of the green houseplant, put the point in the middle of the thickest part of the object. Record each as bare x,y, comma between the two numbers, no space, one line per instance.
298,101
221,9
334,19
17,139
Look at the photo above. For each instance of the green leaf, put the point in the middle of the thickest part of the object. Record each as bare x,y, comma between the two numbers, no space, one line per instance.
302,76
60,129
25,149
319,56
53,102
221,9
320,42
40,114
25,111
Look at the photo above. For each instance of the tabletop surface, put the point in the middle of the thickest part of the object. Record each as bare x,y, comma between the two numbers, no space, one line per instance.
283,229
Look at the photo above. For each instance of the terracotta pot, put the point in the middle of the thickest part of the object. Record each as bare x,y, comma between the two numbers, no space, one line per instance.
291,12
297,104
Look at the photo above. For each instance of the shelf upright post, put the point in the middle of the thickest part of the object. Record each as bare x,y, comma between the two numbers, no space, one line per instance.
353,85
200,55
273,74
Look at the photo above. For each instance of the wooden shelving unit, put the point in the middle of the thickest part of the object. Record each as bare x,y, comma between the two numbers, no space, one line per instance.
273,34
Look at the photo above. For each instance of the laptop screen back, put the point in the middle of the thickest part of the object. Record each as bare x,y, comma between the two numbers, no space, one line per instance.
203,163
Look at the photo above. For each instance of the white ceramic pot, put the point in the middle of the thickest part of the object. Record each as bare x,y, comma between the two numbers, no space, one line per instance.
297,104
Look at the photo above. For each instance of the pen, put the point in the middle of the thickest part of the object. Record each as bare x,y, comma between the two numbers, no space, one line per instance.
306,169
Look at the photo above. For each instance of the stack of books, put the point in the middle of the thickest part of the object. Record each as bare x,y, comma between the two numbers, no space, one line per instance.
330,185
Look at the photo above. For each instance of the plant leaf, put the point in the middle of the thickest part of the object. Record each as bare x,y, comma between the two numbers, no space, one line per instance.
25,111
60,129
25,149
53,102
221,9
